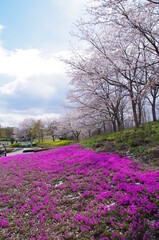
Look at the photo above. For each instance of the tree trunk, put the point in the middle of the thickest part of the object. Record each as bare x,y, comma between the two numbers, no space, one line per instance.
133,104
53,138
104,128
122,120
76,135
154,110
135,113
139,112
114,126
119,124
89,133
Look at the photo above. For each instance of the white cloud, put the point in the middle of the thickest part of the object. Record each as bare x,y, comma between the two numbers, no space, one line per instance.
1,27
25,63
35,79
27,67
14,118
10,88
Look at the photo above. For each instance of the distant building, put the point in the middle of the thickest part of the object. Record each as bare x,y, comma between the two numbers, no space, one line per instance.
6,143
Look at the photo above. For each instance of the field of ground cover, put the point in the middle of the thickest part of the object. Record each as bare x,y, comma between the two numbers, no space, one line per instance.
74,193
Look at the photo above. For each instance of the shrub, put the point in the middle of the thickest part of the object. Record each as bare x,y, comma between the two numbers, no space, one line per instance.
15,144
34,144
56,143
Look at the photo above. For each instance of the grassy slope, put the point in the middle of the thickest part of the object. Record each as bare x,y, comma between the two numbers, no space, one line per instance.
142,144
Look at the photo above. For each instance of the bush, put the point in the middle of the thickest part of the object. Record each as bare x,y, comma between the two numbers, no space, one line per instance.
34,144
56,143
137,150
15,144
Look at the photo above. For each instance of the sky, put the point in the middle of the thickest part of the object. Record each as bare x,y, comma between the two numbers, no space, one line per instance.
34,34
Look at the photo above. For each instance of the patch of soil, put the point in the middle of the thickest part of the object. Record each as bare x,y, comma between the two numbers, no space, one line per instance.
148,161
139,143
105,146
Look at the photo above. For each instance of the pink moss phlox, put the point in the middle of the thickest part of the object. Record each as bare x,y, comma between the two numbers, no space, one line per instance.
70,191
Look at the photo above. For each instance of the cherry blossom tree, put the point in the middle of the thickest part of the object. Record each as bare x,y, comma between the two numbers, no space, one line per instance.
23,131
51,127
114,67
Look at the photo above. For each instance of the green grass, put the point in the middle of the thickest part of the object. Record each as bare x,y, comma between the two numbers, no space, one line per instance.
141,142
148,132
56,143
90,143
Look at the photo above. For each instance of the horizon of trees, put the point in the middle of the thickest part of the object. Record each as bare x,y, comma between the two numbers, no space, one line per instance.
6,133
115,68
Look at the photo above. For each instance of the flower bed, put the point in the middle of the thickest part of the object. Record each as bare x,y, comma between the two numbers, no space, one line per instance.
75,193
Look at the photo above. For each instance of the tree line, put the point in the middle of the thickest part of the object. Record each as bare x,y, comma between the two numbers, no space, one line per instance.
114,68
6,133
64,127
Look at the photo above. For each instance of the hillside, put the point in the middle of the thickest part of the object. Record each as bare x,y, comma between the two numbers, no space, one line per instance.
139,144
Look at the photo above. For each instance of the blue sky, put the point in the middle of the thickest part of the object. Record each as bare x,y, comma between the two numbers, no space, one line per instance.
33,34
